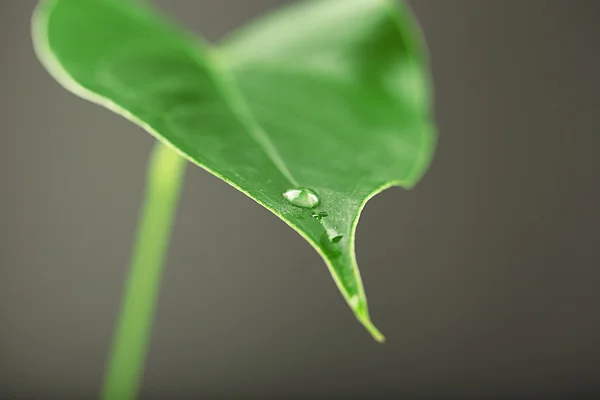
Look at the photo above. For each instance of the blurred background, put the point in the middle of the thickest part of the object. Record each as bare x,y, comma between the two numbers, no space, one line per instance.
485,278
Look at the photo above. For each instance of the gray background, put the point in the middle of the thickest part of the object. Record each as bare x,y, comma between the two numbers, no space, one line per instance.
484,278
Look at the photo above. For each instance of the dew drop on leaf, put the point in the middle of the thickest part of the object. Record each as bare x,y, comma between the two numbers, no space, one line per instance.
330,244
302,197
337,238
319,215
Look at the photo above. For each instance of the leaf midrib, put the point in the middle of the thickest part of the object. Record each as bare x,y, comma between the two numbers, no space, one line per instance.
227,88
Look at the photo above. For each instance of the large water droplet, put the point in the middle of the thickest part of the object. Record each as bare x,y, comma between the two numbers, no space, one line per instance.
302,197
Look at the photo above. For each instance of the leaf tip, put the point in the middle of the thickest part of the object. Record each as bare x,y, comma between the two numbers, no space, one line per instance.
362,314
370,327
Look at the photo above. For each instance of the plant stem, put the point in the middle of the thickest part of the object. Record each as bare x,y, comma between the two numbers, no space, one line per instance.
126,361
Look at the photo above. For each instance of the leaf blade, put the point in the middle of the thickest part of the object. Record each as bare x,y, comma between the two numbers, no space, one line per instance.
260,133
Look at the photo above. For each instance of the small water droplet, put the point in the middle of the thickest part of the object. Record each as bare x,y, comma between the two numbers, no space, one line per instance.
319,215
302,197
329,247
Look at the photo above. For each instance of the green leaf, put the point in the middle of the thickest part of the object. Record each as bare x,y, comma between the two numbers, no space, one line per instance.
328,95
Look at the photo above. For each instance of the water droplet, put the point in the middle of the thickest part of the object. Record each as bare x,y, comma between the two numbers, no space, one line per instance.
319,215
330,248
334,235
337,238
302,197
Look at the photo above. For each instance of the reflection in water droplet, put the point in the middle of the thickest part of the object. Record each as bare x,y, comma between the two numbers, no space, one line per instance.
302,197
319,215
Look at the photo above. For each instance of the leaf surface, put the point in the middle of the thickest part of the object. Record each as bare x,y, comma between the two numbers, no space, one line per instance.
329,95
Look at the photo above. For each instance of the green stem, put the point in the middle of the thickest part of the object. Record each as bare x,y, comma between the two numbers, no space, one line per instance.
130,343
